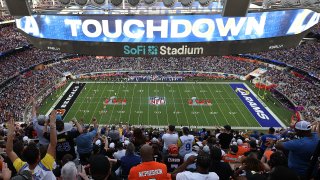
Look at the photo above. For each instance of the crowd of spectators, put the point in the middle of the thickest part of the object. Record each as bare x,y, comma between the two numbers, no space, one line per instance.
52,148
11,65
207,64
306,56
6,18
301,92
15,98
11,38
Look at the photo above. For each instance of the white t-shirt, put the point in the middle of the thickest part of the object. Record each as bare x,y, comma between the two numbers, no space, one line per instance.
169,139
187,175
119,154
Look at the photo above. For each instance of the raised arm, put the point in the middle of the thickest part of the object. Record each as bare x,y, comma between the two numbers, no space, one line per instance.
10,136
78,125
53,134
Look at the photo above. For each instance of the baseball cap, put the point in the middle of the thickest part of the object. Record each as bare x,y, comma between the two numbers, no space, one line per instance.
126,142
195,148
25,138
111,145
206,149
303,126
59,117
98,142
239,142
173,149
41,119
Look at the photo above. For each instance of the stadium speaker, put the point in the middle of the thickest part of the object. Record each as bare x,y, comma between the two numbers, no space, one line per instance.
204,3
81,2
168,3
65,2
98,2
149,2
186,3
235,8
116,2
133,2
18,7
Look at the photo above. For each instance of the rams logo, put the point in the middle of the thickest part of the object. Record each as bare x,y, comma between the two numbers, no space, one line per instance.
243,91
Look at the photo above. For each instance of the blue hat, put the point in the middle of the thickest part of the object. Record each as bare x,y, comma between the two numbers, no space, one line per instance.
59,117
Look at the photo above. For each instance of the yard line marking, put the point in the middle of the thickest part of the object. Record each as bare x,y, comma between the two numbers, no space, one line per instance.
131,102
211,110
148,106
218,106
125,93
234,117
201,106
248,124
114,105
175,108
140,104
101,96
164,91
84,88
194,111
184,107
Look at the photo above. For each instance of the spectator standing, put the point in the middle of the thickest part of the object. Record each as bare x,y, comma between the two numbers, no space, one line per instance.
129,160
170,137
203,162
66,142
267,139
40,168
173,160
225,137
148,169
84,142
185,142
300,150
114,134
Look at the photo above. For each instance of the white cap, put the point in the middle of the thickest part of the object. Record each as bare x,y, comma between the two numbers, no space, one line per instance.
239,142
126,142
98,142
234,143
25,138
199,144
206,149
111,145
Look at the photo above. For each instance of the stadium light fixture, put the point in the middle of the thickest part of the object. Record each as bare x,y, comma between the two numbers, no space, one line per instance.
204,3
116,2
186,3
65,2
168,3
149,2
98,2
133,2
308,2
81,2
266,4
289,3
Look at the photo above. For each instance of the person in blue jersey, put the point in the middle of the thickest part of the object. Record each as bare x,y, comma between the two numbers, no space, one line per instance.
302,148
267,139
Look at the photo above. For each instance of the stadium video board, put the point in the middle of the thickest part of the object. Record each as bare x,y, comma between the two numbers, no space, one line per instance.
167,35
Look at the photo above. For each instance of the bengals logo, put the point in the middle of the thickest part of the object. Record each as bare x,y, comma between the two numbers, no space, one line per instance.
61,111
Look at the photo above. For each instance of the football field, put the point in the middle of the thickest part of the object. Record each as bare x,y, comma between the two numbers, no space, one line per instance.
200,104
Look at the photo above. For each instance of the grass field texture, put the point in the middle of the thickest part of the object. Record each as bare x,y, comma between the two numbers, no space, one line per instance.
226,108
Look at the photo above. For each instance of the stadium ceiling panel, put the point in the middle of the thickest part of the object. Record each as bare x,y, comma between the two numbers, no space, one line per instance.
133,2
98,2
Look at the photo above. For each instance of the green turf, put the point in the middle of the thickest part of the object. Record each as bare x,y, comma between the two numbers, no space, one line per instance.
226,107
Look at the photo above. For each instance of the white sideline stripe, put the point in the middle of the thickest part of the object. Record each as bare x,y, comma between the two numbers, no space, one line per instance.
265,106
160,82
200,127
58,100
